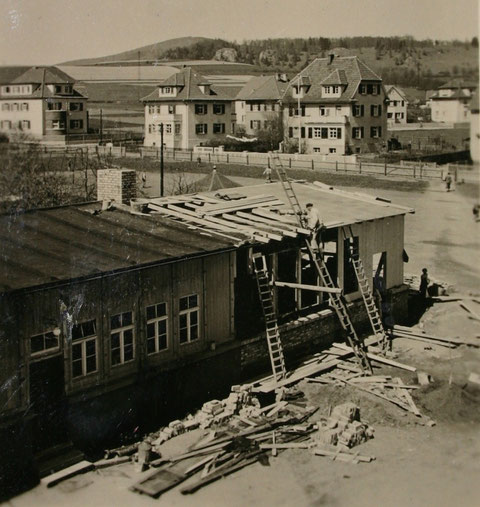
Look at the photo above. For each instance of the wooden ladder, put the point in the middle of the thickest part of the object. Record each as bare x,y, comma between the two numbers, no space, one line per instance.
368,299
336,300
273,336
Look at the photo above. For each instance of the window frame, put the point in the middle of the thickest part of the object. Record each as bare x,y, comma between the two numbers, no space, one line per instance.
45,351
121,332
221,127
155,321
188,312
221,108
201,109
82,343
201,129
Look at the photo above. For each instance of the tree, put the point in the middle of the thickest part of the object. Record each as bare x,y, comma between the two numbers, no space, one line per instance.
475,42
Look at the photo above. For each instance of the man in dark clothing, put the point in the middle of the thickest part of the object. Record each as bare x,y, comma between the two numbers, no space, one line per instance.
424,282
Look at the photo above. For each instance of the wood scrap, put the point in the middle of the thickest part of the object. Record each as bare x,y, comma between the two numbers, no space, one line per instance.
379,359
105,463
456,340
407,396
290,445
67,473
472,315
448,345
334,454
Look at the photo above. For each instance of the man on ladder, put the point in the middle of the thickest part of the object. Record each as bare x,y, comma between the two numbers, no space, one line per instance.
315,224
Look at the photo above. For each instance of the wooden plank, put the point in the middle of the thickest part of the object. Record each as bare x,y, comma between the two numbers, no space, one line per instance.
67,473
105,463
255,221
379,359
426,340
239,204
474,315
325,452
303,286
288,445
281,218
261,228
410,332
407,396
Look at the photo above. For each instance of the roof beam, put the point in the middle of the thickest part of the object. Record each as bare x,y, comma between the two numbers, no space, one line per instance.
302,286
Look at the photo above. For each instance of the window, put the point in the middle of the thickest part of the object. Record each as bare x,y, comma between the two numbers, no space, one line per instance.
403,103
121,338
317,150
58,124
293,111
389,115
26,124
357,132
150,128
178,128
84,348
324,111
188,318
44,342
219,128
255,124
76,106
5,107
54,106
363,89
58,89
375,110
168,128
375,132
332,150
157,328
68,89
218,108
334,133
290,131
201,109
157,109
171,109
302,132
6,124
15,106
358,110
201,128
76,124
25,106
151,109
320,132
327,90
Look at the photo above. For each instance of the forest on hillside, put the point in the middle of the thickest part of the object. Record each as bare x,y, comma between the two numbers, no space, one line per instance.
400,60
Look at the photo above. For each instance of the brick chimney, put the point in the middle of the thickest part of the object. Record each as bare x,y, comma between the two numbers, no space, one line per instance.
117,185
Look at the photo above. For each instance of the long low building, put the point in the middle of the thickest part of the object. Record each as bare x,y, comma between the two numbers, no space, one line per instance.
122,317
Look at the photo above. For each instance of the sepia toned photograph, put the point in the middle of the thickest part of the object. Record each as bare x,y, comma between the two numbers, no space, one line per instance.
239,253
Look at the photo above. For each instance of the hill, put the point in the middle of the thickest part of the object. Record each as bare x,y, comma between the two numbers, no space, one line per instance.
151,52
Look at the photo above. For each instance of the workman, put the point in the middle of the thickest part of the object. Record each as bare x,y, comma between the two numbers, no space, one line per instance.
314,223
268,175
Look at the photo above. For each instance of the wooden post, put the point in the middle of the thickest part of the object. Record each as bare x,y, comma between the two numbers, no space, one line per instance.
385,168
414,172
313,166
336,165
290,163
209,157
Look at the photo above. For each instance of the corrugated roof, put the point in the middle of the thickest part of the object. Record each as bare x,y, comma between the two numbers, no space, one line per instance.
263,88
350,69
49,75
188,83
47,246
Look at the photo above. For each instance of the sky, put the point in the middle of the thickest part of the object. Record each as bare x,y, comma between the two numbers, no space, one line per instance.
52,31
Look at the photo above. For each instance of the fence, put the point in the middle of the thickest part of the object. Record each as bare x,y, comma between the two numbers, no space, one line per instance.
306,162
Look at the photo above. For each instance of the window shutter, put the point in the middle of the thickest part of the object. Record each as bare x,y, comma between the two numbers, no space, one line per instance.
339,133
310,132
362,110
379,131
372,110
380,110
251,124
302,132
324,133
361,132
290,131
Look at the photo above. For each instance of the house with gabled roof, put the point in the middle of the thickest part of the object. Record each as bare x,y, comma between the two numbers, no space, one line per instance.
450,103
397,105
336,105
190,110
42,102
259,102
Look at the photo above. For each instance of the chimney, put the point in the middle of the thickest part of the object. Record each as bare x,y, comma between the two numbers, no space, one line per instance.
117,185
331,57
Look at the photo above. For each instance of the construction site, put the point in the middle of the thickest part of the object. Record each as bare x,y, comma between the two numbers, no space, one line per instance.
266,343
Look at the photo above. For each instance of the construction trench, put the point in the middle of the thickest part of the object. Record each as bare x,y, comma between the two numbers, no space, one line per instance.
306,409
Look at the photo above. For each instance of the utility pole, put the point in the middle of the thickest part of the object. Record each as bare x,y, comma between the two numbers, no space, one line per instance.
101,125
161,159
299,118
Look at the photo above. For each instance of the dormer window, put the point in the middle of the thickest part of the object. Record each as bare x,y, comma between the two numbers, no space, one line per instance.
167,90
205,88
332,90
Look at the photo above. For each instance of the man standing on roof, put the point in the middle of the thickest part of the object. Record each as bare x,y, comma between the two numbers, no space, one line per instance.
314,223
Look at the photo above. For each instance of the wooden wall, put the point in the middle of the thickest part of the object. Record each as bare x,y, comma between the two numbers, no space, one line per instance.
28,314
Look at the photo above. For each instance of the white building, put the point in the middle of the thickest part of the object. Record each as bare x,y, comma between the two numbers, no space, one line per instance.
43,103
450,103
397,105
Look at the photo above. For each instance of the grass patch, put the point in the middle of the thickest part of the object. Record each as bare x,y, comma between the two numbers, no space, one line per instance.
329,178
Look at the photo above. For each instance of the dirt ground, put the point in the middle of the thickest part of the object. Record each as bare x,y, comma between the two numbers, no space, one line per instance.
415,465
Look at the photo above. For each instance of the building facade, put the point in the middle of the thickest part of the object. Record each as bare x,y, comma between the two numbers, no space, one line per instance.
450,103
259,103
42,103
190,110
336,105
397,105
474,129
